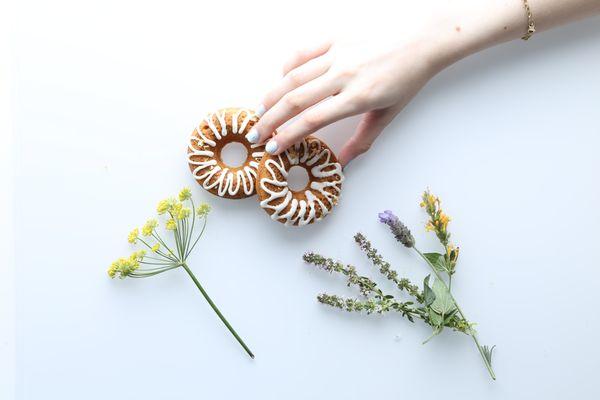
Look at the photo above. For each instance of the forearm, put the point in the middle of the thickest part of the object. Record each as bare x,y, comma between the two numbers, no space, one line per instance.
476,25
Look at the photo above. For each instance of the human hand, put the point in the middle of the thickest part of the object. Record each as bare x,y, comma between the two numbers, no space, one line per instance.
335,80
379,75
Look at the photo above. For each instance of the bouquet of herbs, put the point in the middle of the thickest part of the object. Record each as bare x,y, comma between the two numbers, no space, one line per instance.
434,304
182,219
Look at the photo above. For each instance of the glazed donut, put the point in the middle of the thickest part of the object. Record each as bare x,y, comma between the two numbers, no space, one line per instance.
204,153
310,204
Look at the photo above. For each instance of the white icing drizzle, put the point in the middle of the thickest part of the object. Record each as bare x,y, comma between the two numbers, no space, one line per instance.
227,182
302,212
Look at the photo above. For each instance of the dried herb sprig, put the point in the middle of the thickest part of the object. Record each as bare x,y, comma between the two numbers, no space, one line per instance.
386,269
181,221
436,305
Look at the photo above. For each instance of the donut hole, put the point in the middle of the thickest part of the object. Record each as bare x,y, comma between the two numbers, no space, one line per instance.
297,179
234,154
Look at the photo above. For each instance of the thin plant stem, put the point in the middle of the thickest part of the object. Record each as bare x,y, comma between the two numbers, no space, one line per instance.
216,310
158,252
189,238
155,263
198,238
152,272
162,242
462,314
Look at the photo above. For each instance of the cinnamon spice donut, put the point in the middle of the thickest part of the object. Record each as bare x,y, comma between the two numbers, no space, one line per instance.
204,153
310,204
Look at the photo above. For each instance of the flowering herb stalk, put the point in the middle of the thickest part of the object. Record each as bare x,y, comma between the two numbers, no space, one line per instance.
183,220
434,304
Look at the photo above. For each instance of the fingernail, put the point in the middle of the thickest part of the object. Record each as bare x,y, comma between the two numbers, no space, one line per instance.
260,110
271,146
252,136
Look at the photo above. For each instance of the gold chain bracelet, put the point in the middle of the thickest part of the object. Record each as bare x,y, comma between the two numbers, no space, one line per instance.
530,22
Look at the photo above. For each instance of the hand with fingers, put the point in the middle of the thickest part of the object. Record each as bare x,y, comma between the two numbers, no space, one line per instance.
380,75
333,81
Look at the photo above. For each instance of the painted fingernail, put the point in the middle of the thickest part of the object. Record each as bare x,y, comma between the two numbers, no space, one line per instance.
260,110
252,136
271,146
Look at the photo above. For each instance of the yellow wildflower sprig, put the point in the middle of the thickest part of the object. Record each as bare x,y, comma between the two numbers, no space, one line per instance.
438,223
180,215
438,220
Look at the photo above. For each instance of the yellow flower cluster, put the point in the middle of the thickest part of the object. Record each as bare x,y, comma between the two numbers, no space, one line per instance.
124,267
149,227
203,209
165,206
171,225
175,210
133,236
185,194
175,207
438,220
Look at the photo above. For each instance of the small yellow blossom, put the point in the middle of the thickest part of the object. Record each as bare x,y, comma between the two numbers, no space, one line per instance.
183,213
176,208
137,256
124,267
171,225
438,220
133,235
429,201
185,194
112,270
149,227
443,220
203,209
452,254
156,247
165,205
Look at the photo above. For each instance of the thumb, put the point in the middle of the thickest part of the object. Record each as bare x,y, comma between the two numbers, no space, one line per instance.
369,128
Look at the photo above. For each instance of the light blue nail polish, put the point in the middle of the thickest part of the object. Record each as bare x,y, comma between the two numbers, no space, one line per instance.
271,147
260,110
252,136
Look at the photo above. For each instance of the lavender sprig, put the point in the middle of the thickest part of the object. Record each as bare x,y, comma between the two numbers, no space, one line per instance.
399,230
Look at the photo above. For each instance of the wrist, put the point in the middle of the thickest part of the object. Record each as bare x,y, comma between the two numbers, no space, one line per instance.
467,27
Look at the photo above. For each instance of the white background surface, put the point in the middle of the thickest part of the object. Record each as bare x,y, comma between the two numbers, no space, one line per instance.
105,95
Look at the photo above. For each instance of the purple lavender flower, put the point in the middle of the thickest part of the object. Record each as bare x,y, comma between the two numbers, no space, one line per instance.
387,217
400,231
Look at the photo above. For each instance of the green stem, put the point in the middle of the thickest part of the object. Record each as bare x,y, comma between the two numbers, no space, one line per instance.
162,242
216,310
151,272
198,238
462,314
189,238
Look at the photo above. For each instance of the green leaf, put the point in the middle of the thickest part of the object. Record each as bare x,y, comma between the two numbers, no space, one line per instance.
443,303
487,352
435,318
438,261
448,318
428,294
